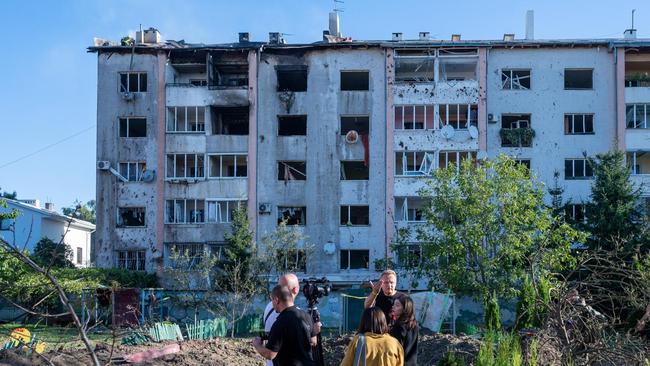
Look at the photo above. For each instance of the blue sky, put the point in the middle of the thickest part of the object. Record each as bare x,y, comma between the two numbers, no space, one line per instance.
48,86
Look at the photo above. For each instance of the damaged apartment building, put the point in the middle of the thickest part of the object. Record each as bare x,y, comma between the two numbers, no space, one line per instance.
336,136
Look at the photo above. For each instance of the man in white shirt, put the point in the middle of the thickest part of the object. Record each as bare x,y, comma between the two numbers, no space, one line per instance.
291,281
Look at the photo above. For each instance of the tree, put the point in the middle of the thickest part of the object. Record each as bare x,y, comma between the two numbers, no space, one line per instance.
286,249
80,211
488,227
9,195
613,215
50,254
558,206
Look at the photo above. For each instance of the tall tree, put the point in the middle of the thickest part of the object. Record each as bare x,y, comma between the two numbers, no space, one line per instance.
81,211
613,215
488,227
9,195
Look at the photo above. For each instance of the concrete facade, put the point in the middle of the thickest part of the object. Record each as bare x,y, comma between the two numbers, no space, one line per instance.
213,135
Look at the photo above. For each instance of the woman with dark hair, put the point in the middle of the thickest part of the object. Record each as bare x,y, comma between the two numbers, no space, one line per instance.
405,328
372,345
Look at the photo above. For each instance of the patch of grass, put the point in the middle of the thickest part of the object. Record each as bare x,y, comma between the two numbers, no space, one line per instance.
54,337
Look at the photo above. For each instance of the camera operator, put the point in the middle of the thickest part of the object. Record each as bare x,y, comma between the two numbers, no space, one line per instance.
289,339
291,281
383,293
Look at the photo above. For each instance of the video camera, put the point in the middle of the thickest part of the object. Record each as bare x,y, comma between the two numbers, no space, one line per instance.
315,288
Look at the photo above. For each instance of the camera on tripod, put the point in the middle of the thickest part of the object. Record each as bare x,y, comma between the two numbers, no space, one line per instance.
315,288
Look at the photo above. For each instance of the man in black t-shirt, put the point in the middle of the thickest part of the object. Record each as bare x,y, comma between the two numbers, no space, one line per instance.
383,293
289,339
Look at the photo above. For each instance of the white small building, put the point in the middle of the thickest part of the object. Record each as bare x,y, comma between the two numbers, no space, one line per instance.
34,223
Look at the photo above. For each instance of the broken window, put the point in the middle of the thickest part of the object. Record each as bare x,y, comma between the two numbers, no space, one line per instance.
132,170
577,169
638,162
184,211
217,250
414,67
637,115
133,127
132,260
355,259
355,80
354,170
221,211
414,163
414,117
577,79
228,165
292,215
185,119
576,213
293,260
454,68
130,217
292,170
458,116
230,121
578,124
517,122
198,82
133,82
227,70
448,159
292,125
292,78
185,166
194,252
524,162
355,215
514,79
409,209
409,255
361,124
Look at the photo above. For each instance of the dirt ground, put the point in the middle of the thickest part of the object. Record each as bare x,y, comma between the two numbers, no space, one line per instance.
226,351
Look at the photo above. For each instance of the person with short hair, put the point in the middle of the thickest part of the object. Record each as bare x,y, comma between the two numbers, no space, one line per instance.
405,328
383,293
289,339
373,343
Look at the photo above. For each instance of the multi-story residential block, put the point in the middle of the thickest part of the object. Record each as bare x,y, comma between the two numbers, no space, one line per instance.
336,136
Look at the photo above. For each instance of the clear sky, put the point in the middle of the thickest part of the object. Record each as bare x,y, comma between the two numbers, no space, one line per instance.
48,84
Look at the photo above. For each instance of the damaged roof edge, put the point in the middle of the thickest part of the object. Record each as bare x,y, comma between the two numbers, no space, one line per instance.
174,45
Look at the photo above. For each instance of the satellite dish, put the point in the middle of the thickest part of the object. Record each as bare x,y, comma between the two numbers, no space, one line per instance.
352,137
482,155
473,132
148,176
447,132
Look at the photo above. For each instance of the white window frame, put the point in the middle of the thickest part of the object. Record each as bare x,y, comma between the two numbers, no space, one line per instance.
221,176
128,124
573,176
194,217
509,83
573,207
186,176
213,209
406,211
426,166
140,167
468,123
459,155
645,123
634,170
412,123
173,114
573,122
138,257
128,81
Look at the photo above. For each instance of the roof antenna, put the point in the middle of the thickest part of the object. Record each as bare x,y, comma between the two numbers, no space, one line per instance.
633,10
630,33
336,8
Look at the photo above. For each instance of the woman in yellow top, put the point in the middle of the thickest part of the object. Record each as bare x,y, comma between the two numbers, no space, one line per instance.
381,349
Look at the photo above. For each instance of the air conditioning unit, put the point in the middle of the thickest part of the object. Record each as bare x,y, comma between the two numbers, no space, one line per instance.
264,208
128,96
492,118
103,165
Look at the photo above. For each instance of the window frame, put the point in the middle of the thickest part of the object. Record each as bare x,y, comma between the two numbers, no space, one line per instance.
585,169
123,225
217,202
459,157
472,118
578,69
140,167
646,113
128,81
425,123
422,170
221,155
341,72
349,209
572,124
128,127
188,217
510,79
349,259
139,260
172,119
186,176
280,214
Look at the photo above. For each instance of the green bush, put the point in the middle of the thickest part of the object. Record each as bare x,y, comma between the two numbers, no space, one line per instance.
500,349
492,315
531,309
452,359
